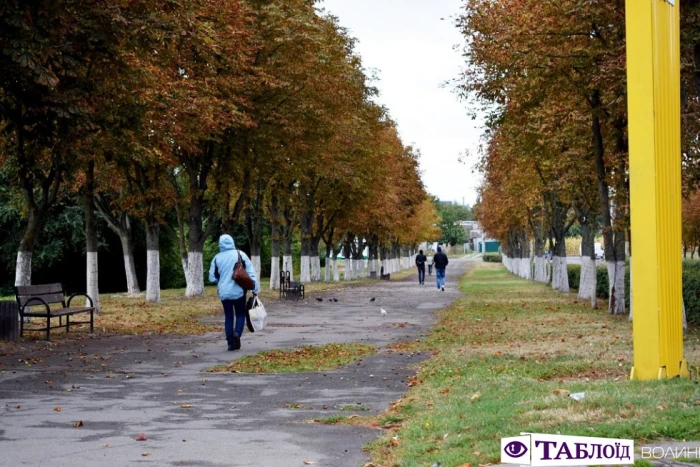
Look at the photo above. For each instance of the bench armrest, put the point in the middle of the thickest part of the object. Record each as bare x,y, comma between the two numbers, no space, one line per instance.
92,304
35,299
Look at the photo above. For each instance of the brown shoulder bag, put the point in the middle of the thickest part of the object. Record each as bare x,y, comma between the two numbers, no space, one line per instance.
240,275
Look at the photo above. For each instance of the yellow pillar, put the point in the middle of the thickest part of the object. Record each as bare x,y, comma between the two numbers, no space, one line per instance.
653,93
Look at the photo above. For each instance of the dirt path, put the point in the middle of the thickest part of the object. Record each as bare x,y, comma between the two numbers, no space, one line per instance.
120,386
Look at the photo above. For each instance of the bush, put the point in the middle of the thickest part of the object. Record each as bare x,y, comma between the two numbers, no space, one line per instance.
492,258
691,290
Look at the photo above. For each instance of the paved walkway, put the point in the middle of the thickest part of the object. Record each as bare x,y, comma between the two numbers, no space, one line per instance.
121,386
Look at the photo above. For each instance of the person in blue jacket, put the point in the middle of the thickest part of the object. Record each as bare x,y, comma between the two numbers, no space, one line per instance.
232,295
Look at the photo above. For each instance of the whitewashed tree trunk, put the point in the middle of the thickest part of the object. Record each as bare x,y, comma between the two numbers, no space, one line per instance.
586,289
539,269
132,283
564,276
336,272
305,274
257,264
327,271
153,276
315,268
288,266
347,273
275,273
526,268
195,274
23,268
616,280
93,289
556,272
373,267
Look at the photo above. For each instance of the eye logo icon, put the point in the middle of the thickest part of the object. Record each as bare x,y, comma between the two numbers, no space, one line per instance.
515,449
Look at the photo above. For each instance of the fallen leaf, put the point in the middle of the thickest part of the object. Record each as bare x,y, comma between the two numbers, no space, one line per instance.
78,424
561,392
186,406
475,397
662,407
57,409
141,437
18,407
309,462
144,454
628,405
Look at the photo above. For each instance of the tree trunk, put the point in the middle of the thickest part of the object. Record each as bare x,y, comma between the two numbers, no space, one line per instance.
347,253
329,258
560,275
93,289
616,276
194,273
588,281
152,262
23,269
315,261
305,274
275,237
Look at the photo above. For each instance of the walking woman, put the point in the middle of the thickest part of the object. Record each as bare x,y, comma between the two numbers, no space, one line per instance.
232,295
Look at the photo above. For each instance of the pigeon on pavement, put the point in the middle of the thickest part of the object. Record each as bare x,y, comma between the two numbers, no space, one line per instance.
383,312
319,299
372,299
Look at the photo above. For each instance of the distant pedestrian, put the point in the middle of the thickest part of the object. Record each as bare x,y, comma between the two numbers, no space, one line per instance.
420,263
231,294
430,265
441,262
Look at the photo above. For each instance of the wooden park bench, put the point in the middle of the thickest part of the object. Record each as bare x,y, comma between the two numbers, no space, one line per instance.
288,289
42,301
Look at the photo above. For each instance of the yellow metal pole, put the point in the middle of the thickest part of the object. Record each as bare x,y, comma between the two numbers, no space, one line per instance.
653,94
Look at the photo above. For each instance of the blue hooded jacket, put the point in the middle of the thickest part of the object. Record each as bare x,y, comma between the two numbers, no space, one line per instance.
225,260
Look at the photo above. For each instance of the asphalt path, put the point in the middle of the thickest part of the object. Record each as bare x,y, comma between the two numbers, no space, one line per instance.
85,401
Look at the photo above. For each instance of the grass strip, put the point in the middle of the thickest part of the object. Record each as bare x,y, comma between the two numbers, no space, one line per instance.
303,359
505,359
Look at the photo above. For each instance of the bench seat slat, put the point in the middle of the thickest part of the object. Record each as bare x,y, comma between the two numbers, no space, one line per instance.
71,311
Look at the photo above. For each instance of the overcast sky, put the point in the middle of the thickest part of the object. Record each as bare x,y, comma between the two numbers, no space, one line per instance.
411,48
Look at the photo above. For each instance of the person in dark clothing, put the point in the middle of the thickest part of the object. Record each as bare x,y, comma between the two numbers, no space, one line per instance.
420,263
440,261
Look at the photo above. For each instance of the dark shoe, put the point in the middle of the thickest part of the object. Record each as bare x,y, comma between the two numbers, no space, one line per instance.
443,288
236,342
230,347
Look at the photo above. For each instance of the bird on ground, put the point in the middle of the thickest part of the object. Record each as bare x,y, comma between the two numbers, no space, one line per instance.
319,299
372,299
383,312
335,299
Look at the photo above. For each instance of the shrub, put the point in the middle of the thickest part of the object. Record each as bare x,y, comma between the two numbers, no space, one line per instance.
691,290
492,258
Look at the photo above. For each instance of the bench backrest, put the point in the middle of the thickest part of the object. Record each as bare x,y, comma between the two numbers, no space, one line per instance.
50,293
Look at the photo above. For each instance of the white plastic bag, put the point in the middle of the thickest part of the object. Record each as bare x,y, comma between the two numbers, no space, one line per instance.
258,315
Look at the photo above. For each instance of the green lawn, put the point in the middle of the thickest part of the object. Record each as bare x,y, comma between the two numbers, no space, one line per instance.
505,359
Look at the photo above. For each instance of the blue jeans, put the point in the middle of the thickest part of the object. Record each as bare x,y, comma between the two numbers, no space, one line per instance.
229,306
440,275
421,274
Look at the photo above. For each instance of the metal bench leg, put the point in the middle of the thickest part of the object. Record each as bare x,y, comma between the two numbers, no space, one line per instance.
92,321
48,328
67,323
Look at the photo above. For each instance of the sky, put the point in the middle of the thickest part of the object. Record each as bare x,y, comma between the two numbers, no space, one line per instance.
411,48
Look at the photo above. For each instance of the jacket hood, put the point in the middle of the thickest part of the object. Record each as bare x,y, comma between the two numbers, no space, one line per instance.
226,243
439,250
